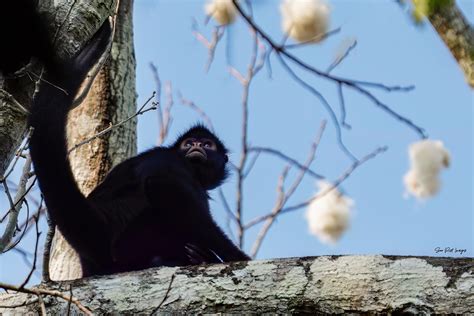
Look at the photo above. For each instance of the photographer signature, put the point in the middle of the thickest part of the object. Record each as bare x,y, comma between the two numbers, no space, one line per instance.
451,250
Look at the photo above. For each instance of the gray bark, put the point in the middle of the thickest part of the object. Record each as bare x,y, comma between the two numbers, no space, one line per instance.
334,284
71,25
12,128
111,99
74,24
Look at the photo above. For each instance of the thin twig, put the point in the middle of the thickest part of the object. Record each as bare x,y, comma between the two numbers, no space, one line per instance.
54,293
166,295
278,205
140,111
283,196
167,119
211,45
16,206
251,72
22,199
157,79
197,109
342,56
355,84
286,158
336,183
252,162
42,306
19,154
69,301
342,103
227,206
230,215
326,105
24,255
35,256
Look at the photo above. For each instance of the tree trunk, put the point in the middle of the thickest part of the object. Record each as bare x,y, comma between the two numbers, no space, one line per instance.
110,100
335,284
458,35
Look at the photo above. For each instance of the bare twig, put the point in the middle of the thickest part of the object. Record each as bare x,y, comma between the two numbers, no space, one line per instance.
35,256
24,255
26,223
341,179
282,196
19,154
140,111
342,103
342,56
54,293
164,116
354,84
211,45
42,306
286,158
230,215
252,69
280,201
252,162
326,105
157,79
15,207
167,119
22,199
69,301
197,109
166,295
226,206
336,183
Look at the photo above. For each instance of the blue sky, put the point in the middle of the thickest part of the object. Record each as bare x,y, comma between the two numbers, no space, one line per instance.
390,50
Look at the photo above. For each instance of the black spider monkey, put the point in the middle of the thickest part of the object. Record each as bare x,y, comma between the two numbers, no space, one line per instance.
152,209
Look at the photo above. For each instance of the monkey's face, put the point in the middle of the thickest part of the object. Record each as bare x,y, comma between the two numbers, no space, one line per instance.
207,160
197,148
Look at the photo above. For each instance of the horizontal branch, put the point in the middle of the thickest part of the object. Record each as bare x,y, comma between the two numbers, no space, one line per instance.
329,284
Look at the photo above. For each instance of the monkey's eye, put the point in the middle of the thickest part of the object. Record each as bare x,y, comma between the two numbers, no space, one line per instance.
187,143
209,144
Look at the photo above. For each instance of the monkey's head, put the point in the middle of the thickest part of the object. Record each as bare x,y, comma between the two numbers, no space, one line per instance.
206,154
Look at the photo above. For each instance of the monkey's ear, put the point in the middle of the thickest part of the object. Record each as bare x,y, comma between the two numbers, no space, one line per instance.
226,158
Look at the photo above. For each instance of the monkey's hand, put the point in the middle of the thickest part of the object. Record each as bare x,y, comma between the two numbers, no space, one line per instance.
197,255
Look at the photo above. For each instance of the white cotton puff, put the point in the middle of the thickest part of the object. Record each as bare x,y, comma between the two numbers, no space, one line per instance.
427,159
422,185
223,11
305,20
328,216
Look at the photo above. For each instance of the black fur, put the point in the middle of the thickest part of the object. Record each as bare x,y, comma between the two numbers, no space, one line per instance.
23,35
151,210
158,205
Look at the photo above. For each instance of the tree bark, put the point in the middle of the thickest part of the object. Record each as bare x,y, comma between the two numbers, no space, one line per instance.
334,284
458,35
72,24
110,100
12,128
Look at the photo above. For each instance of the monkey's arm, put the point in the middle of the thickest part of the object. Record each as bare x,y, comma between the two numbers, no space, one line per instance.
83,227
